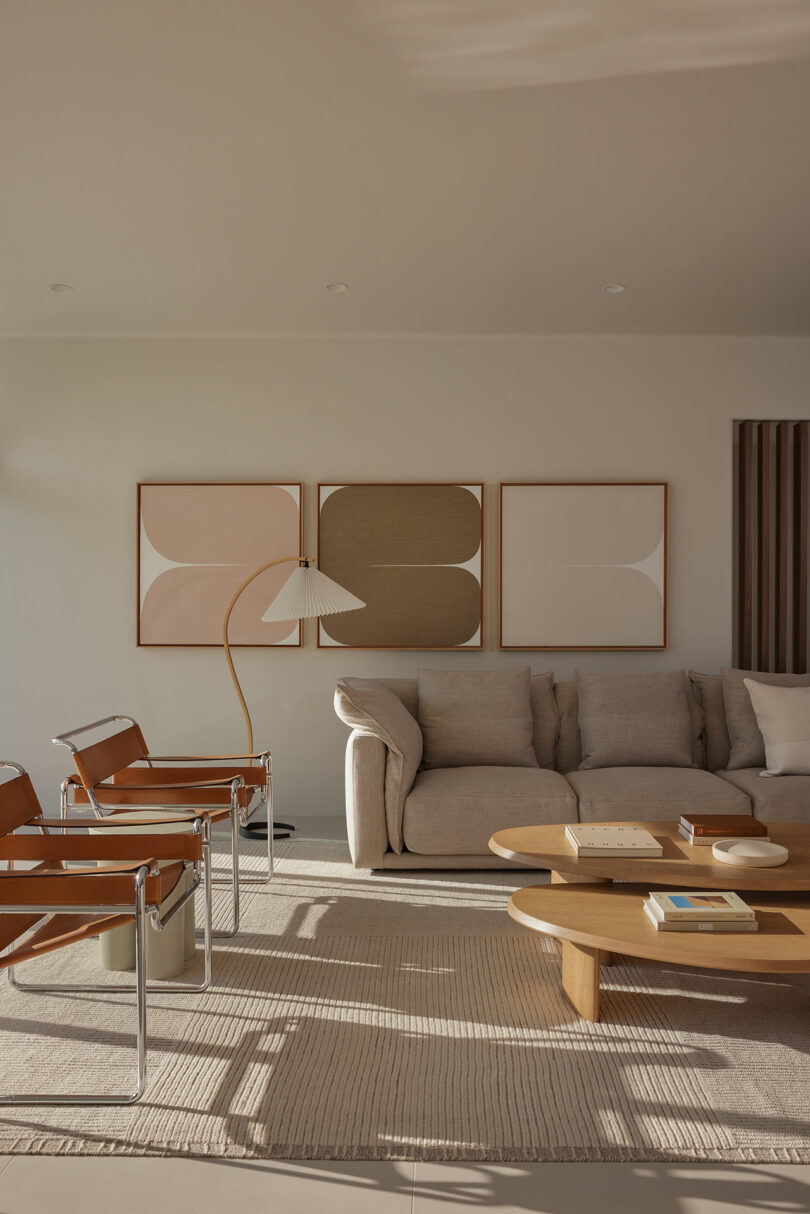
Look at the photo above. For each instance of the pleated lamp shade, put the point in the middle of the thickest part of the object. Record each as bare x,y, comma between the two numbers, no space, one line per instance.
308,592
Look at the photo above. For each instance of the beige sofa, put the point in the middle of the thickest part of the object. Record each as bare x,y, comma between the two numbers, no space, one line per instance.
444,817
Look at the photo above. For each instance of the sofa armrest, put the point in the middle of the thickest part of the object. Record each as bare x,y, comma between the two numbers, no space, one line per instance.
365,799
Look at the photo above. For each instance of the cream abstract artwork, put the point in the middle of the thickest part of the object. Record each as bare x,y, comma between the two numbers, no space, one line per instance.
583,566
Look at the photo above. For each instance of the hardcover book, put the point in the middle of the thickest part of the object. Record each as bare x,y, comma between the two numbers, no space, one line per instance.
709,905
698,925
724,826
596,839
709,840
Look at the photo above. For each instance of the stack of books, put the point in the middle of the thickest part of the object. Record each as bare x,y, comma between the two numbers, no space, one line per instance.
702,830
699,912
593,839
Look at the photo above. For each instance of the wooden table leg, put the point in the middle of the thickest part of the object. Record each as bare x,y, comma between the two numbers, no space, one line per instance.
580,978
558,878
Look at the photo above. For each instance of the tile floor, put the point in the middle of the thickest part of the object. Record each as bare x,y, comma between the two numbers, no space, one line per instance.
40,1184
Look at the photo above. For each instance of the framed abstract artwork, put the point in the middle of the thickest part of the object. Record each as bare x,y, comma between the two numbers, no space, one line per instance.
583,565
414,554
197,542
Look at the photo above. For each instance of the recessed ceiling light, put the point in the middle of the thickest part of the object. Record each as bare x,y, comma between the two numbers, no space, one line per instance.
336,286
61,288
613,288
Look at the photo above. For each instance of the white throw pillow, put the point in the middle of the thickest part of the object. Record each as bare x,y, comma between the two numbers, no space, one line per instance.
783,717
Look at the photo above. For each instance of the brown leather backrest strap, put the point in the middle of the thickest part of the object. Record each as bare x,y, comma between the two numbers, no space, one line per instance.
259,754
113,885
112,846
18,803
110,797
103,759
150,787
254,776
118,820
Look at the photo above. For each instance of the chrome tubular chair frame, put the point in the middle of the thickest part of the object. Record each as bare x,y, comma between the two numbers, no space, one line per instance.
265,798
101,808
265,792
51,892
152,988
138,911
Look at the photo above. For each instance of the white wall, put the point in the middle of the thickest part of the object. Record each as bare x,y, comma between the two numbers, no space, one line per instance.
84,419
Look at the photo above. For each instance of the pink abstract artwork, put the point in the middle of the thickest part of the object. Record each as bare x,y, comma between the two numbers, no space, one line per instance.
197,544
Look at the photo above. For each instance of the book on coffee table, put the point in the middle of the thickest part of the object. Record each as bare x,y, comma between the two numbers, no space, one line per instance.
710,840
705,829
695,905
597,839
696,925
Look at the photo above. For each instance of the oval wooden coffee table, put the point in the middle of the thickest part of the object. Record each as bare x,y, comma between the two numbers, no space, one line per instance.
680,867
590,919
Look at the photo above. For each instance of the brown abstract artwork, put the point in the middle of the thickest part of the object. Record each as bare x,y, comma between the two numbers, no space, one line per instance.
414,554
197,543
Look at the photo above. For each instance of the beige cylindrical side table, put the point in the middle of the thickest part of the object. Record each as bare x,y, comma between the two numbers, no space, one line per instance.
166,951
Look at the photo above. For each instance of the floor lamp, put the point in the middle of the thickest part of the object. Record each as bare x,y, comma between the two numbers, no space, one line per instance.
306,593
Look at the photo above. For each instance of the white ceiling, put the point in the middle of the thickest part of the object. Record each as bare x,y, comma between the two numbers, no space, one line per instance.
464,165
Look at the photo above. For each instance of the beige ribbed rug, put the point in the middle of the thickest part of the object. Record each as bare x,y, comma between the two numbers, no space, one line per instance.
403,1016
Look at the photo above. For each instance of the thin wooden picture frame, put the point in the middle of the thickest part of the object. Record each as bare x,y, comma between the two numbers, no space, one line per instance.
234,644
573,647
480,489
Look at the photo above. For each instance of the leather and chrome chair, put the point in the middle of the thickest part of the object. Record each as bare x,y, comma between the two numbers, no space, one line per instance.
119,773
80,885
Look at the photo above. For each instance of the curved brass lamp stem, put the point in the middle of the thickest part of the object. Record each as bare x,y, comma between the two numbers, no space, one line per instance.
280,561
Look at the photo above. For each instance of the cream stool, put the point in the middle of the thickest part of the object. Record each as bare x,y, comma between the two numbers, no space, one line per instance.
167,951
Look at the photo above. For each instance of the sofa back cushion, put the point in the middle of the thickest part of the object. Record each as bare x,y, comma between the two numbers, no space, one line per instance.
635,720
545,718
747,746
569,744
477,718
371,707
545,714
708,689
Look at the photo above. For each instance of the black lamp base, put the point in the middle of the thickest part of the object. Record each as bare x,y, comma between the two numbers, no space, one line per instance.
258,830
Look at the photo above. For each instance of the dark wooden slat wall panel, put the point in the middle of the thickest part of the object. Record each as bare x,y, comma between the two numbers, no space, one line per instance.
782,545
773,545
745,518
801,501
763,646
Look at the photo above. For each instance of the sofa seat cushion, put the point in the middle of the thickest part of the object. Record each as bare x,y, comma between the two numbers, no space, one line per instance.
775,799
625,794
455,810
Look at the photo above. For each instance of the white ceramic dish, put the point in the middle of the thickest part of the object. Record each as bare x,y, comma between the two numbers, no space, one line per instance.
749,853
